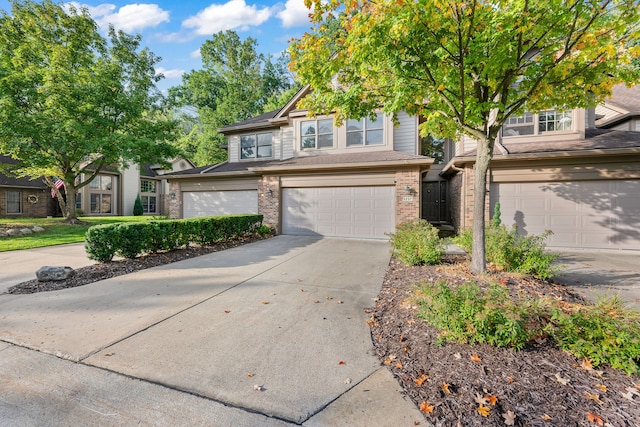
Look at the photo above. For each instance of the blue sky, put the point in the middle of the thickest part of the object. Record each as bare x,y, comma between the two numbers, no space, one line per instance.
176,30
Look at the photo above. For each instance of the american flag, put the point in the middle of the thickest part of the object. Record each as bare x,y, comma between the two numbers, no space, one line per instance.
58,183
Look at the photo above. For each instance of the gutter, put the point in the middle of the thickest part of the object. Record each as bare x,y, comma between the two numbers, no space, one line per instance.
334,166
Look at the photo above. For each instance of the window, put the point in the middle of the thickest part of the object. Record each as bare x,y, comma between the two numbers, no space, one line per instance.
101,194
535,124
316,134
79,201
148,195
365,131
256,146
100,203
14,202
101,182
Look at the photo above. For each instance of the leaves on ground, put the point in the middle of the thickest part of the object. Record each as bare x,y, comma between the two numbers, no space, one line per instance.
595,418
563,381
421,379
509,418
476,358
427,407
484,410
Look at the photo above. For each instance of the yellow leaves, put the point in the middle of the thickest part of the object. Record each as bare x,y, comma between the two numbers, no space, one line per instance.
484,410
546,417
492,399
421,379
390,359
445,387
594,397
440,87
476,358
602,388
427,407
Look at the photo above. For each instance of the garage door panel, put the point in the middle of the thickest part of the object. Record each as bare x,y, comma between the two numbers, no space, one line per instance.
582,214
206,203
366,212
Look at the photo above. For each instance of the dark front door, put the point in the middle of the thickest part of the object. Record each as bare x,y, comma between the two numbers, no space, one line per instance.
434,201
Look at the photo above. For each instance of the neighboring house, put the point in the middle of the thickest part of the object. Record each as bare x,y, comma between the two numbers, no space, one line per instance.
576,173
308,177
22,197
112,192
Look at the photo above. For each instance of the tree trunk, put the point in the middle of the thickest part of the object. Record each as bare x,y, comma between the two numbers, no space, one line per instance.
478,248
70,214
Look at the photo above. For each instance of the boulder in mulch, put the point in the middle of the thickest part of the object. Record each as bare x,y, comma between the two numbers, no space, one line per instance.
14,232
26,231
37,229
49,273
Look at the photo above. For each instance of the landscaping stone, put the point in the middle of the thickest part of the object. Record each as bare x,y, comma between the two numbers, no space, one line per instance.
37,229
50,273
13,232
3,234
26,231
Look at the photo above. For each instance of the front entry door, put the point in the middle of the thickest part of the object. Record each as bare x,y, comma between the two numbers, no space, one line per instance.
434,201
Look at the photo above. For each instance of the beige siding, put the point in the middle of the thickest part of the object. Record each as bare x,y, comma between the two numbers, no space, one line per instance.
234,148
344,180
287,138
220,184
572,172
276,139
405,135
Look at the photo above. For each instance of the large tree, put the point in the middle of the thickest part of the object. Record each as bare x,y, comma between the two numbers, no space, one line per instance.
235,83
72,102
465,66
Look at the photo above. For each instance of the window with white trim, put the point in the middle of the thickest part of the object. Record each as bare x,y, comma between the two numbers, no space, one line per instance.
256,146
101,194
537,124
14,202
365,131
316,134
148,195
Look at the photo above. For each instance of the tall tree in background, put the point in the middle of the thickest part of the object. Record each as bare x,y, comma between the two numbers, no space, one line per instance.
465,66
72,102
234,84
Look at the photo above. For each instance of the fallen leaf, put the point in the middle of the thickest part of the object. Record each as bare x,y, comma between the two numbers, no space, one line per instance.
457,356
227,311
347,381
416,423
339,302
510,379
484,410
602,387
316,301
595,418
445,387
108,354
301,290
492,399
481,400
426,407
476,358
367,311
389,359
341,362
329,298
563,381
250,374
546,417
411,321
629,394
257,387
509,418
421,379
265,302
594,397
399,365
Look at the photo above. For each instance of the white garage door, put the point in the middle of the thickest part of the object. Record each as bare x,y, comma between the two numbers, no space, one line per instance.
205,203
581,214
366,212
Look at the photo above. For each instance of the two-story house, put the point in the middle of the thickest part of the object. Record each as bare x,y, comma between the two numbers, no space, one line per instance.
309,177
576,173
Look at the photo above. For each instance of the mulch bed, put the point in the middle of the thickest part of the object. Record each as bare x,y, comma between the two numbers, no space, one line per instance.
523,382
96,272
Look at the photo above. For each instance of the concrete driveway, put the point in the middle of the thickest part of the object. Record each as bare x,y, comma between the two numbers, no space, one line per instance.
596,273
271,333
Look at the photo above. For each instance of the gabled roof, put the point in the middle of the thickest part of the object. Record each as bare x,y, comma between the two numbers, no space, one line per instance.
9,181
261,121
624,99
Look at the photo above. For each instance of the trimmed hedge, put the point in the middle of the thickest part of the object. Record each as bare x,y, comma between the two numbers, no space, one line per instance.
103,242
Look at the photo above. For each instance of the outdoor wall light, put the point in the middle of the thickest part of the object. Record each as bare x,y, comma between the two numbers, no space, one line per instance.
407,190
270,192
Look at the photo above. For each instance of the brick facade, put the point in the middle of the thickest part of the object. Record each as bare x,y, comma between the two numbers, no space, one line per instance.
35,203
174,200
466,207
269,199
407,195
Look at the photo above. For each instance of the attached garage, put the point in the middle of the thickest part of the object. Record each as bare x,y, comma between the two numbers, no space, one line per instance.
206,203
361,212
581,214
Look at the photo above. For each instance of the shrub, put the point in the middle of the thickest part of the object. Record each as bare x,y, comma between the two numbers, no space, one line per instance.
100,242
137,207
607,333
510,251
467,314
265,230
417,242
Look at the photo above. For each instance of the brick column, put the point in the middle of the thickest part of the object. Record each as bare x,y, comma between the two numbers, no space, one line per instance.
407,204
469,187
269,196
175,200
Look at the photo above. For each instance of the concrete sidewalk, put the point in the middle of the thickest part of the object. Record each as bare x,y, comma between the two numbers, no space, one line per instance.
187,343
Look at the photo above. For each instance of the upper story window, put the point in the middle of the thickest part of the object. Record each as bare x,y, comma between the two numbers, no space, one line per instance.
536,124
101,182
256,146
148,195
365,131
316,133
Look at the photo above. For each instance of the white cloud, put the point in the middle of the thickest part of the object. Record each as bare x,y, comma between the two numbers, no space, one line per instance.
196,54
235,14
129,18
170,74
294,14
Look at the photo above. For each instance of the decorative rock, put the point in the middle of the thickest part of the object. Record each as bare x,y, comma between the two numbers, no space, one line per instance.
48,273
37,229
26,231
13,232
3,234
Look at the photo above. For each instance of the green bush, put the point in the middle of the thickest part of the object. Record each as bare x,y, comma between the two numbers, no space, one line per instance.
130,240
467,314
510,251
607,333
137,207
265,230
417,242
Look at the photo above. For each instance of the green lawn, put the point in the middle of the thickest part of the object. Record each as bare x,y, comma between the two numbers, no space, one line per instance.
56,232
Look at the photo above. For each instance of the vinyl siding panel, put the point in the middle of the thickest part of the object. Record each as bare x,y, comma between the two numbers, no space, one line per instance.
405,136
